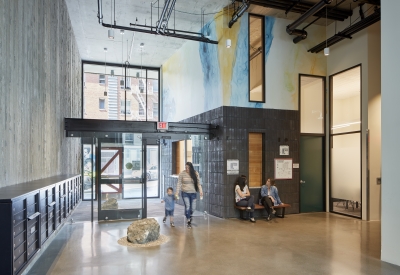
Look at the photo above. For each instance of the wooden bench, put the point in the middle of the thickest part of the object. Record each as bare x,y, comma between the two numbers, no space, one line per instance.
260,207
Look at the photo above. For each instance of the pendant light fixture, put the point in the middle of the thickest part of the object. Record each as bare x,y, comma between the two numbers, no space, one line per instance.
326,50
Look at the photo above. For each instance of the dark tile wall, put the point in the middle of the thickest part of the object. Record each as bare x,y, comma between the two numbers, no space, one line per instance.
232,143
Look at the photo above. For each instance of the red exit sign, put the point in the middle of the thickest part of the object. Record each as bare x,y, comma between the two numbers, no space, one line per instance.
162,125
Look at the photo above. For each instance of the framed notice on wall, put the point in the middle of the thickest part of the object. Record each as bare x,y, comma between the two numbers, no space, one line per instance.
232,166
283,169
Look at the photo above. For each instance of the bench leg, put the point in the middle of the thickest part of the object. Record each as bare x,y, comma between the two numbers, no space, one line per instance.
283,213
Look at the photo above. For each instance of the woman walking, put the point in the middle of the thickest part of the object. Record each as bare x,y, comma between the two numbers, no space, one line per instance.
189,183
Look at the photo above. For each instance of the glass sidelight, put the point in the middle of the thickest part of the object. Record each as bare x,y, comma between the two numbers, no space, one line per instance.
345,142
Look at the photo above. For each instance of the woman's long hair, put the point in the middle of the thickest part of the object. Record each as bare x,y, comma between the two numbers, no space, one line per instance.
241,182
193,175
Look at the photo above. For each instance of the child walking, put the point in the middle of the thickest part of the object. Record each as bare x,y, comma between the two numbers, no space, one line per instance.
169,200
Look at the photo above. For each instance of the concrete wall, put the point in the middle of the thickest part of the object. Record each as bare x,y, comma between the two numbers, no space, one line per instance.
40,84
390,221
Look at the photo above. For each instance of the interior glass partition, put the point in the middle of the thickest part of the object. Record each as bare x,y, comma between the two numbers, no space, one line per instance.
345,139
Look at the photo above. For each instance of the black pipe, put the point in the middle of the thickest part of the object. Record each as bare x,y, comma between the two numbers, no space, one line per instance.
100,11
299,38
239,12
317,7
348,32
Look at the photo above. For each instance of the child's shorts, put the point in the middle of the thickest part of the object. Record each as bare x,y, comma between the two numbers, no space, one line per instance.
169,213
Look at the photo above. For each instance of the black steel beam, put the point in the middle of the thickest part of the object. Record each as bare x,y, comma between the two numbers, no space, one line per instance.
170,33
76,127
301,7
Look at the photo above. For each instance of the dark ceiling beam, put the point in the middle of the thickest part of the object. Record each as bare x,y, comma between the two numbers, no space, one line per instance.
349,31
301,7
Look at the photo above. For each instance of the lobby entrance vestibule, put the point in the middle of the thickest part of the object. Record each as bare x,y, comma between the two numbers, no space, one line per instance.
121,168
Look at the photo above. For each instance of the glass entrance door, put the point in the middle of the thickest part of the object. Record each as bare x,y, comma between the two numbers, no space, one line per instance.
121,181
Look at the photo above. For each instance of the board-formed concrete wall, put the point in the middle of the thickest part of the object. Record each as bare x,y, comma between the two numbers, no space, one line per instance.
40,84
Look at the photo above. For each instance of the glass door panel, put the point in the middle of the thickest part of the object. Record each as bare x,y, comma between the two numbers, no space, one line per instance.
133,172
89,169
120,178
345,139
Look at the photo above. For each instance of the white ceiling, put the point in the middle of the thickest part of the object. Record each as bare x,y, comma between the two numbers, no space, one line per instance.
92,38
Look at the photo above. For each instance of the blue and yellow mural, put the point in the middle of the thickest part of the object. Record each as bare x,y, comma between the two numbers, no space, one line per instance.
200,76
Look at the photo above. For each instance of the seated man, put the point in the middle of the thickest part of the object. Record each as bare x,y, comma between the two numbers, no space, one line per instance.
270,197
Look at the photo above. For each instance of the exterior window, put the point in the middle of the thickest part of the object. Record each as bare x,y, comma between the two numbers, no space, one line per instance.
128,107
141,110
155,85
155,110
102,79
128,83
102,104
141,86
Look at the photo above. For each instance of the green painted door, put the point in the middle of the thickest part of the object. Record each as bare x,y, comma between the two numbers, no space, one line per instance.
311,174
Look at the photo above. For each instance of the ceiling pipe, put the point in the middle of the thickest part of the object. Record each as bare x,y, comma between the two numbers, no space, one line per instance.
245,5
169,15
349,31
301,7
302,34
187,35
100,11
161,20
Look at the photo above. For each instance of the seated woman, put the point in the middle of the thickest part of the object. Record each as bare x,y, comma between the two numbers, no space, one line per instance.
243,197
270,197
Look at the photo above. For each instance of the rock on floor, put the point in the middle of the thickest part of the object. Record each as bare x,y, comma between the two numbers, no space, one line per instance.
110,203
143,231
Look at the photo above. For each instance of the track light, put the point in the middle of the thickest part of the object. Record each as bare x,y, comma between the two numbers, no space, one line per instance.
121,32
228,43
111,34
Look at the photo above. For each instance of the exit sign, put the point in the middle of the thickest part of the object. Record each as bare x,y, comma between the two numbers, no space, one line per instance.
163,126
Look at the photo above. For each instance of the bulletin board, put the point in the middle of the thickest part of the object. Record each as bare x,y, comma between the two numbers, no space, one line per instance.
283,168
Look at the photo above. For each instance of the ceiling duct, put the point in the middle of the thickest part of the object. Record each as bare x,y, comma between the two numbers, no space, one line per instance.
348,32
302,34
160,29
239,12
167,10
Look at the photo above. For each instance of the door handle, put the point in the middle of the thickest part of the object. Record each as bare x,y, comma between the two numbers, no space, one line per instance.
302,181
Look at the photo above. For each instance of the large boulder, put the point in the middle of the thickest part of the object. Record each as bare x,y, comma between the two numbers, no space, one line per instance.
143,231
110,204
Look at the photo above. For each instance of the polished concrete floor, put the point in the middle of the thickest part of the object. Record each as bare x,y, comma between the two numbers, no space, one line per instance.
319,243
